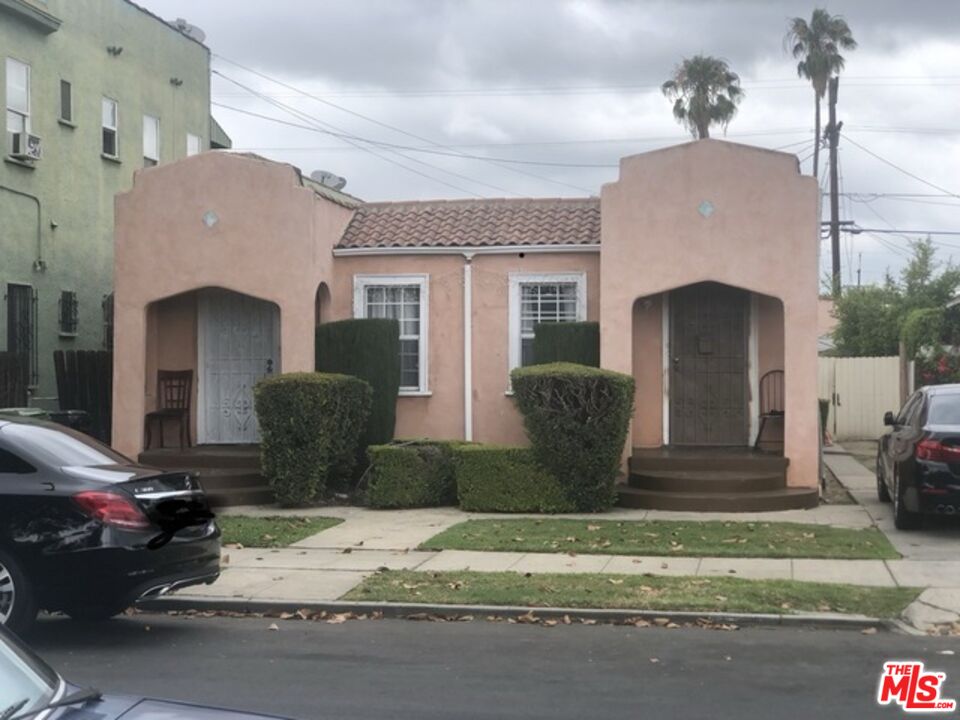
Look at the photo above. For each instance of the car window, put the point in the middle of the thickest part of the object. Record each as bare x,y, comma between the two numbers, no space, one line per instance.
908,411
11,464
59,447
944,410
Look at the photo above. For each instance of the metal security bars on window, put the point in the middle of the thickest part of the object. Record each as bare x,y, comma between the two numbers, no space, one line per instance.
22,331
400,302
69,313
540,303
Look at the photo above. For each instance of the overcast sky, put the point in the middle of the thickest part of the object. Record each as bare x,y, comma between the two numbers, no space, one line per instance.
576,82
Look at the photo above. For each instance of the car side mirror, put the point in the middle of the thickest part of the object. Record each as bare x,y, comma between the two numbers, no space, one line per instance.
888,418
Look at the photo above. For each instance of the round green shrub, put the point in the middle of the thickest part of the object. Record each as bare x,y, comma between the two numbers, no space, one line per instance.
577,419
310,426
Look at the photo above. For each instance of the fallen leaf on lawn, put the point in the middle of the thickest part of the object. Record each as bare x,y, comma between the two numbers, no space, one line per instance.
234,546
823,607
518,539
730,540
652,535
456,585
593,528
571,539
786,605
721,598
809,536
614,582
676,547
869,631
268,537
273,626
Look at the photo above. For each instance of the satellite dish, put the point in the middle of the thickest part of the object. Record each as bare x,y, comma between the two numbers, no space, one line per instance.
329,179
191,31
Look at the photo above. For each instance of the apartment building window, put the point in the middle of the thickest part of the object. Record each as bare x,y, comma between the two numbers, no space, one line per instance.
539,298
69,313
193,144
151,140
111,128
22,331
404,298
18,99
66,101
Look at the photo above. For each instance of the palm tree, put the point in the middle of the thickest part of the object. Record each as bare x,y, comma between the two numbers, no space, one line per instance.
704,92
817,46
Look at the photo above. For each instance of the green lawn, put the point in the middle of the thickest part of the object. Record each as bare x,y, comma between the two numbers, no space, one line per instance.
633,592
270,532
665,537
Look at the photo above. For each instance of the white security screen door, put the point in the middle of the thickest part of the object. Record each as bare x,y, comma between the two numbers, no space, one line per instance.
239,343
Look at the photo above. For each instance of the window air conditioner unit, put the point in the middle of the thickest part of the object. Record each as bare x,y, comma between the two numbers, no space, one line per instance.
26,147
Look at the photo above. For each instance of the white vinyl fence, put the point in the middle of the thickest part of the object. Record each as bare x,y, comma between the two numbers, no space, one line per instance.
860,390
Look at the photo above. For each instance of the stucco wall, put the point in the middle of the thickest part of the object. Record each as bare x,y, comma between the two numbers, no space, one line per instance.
271,240
761,234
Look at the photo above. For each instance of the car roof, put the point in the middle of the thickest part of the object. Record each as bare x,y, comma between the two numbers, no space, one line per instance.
952,389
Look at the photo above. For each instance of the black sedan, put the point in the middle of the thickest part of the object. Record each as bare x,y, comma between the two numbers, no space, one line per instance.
29,688
918,458
85,531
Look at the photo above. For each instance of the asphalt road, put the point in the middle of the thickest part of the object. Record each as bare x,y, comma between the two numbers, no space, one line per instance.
403,669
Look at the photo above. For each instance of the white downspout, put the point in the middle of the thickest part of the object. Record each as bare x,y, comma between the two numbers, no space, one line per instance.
468,346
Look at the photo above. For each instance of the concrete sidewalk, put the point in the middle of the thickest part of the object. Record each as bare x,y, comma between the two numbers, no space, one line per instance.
327,565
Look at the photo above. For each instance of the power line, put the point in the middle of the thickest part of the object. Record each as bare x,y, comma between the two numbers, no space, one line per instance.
348,139
390,127
900,169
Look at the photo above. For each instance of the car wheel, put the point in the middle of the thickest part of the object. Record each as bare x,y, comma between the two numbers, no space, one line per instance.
94,613
903,519
18,606
883,493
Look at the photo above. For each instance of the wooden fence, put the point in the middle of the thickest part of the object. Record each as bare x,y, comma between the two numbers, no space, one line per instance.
85,382
13,391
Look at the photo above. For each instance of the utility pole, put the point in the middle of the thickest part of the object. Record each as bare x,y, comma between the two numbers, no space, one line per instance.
833,132
859,267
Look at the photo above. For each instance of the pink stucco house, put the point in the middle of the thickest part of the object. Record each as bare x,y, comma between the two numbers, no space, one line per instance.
699,262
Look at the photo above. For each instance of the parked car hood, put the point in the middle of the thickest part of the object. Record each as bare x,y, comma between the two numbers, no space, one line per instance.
120,707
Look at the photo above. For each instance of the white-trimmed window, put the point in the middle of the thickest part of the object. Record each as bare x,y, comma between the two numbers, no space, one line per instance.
539,298
193,144
404,298
110,123
151,140
18,99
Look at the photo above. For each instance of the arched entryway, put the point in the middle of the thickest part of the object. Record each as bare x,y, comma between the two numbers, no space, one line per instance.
228,341
700,353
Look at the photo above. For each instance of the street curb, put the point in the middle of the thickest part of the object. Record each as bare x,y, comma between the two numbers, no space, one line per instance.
833,621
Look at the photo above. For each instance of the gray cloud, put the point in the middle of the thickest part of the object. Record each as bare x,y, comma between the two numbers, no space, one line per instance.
356,53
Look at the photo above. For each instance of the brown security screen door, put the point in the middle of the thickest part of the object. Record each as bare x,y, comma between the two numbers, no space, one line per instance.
708,365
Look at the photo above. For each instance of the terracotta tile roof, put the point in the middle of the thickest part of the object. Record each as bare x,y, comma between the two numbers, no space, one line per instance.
477,223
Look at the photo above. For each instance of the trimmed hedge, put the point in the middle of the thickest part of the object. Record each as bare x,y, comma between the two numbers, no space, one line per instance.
411,474
574,342
577,418
369,349
506,479
310,424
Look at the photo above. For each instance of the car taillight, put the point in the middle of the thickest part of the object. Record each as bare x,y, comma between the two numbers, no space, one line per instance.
112,509
937,451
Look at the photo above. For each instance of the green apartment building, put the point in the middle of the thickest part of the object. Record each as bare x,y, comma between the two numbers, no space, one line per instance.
95,90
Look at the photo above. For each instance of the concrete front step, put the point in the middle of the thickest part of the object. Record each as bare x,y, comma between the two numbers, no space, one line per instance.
645,460
753,501
203,456
713,481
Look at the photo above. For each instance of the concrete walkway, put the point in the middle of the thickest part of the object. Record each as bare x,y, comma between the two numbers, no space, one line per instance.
327,565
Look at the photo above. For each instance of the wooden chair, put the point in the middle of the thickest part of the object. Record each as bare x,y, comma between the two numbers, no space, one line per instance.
173,401
771,399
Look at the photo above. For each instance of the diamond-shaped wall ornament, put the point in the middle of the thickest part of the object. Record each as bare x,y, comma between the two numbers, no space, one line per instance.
706,208
210,218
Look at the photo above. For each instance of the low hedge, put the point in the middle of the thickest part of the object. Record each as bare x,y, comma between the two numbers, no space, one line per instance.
416,473
506,479
575,342
310,425
577,418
